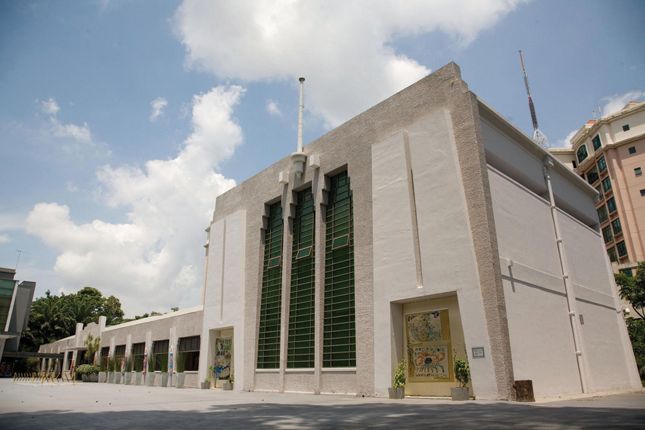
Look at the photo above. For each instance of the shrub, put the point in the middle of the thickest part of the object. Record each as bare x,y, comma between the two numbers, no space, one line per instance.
150,363
138,363
103,364
399,376
87,369
111,365
181,362
163,362
128,365
462,372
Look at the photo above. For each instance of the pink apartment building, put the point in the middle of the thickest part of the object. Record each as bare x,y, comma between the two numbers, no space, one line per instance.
609,153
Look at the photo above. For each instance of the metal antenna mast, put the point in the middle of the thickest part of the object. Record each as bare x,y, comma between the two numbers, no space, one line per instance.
538,136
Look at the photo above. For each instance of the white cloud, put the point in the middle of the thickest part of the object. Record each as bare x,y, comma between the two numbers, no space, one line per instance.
71,187
566,142
272,108
158,105
343,48
78,138
150,261
4,238
50,107
618,101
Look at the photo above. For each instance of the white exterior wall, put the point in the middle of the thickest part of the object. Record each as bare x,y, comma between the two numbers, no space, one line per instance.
446,254
541,339
541,335
224,295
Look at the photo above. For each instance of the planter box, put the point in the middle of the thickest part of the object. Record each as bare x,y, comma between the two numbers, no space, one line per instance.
84,378
102,377
228,386
180,379
110,378
396,393
150,379
94,377
128,378
459,393
205,385
117,377
138,378
164,379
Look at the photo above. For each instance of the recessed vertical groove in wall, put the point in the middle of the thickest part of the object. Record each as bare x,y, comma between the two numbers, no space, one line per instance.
413,209
221,302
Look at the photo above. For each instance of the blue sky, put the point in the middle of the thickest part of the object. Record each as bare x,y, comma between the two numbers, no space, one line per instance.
101,192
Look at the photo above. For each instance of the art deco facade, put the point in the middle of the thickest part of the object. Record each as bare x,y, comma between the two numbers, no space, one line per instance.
426,228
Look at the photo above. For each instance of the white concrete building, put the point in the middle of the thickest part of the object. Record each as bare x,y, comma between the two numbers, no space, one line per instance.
426,228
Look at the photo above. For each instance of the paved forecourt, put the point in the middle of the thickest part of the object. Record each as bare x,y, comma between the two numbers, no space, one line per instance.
107,406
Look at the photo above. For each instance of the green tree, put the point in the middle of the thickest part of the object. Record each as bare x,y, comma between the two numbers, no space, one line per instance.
55,317
632,289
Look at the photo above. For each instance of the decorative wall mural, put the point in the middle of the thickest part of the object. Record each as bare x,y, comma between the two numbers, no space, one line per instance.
424,327
429,346
223,347
430,362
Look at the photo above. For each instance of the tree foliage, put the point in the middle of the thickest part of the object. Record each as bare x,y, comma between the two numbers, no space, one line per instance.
55,317
633,290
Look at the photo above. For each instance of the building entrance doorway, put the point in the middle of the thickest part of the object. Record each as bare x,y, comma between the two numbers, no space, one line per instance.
432,336
222,356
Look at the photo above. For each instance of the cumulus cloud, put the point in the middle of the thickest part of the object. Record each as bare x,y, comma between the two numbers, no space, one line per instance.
4,238
158,105
78,139
150,260
344,49
50,107
616,102
272,108
566,142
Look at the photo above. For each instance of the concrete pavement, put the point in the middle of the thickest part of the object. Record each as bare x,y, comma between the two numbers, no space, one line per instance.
106,406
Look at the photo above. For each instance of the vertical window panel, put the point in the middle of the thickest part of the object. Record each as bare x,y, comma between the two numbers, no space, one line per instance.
301,345
339,344
271,300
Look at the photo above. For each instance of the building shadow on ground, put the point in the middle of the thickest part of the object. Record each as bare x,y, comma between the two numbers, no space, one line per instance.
374,415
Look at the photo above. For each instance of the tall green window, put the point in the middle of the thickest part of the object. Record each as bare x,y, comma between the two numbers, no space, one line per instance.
339,349
300,351
582,153
271,301
596,143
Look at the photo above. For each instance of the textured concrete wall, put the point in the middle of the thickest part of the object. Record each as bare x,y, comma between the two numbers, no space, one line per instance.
423,193
349,147
224,295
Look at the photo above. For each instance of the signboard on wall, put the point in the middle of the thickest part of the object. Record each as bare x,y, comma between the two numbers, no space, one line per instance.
429,346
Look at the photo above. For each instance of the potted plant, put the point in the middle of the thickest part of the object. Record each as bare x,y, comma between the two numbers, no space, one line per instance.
93,373
138,368
228,385
211,373
103,370
462,375
397,391
150,374
209,378
128,371
111,367
181,368
82,371
118,367
163,361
